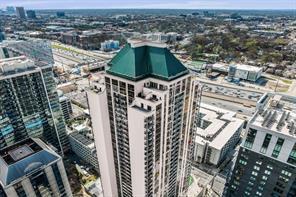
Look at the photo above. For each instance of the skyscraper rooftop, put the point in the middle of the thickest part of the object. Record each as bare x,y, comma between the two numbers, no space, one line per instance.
276,113
15,65
24,157
140,59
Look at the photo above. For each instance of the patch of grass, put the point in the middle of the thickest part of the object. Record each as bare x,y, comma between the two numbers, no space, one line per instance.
283,89
287,81
190,180
55,46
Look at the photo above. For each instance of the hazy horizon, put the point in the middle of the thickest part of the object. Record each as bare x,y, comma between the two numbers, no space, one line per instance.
154,4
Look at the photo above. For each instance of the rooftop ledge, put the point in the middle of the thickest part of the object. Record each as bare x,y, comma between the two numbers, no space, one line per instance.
139,43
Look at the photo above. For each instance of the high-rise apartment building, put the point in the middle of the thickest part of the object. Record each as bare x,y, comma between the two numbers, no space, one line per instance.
20,12
29,101
266,162
31,168
38,50
142,117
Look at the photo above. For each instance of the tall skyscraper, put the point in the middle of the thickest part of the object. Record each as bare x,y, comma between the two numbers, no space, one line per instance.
10,9
142,117
266,162
60,14
20,12
2,35
31,168
31,14
29,101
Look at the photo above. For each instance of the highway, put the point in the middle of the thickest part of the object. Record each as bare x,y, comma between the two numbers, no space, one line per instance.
246,112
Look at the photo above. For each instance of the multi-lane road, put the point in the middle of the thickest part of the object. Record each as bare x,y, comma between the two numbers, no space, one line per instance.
232,106
235,98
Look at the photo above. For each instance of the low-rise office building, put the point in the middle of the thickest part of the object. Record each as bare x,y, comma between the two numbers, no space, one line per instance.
247,72
66,106
83,145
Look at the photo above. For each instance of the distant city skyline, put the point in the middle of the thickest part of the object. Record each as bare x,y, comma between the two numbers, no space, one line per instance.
151,4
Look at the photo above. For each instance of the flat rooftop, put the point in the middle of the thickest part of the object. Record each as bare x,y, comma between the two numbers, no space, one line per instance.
248,67
19,151
217,126
83,138
23,158
277,113
15,65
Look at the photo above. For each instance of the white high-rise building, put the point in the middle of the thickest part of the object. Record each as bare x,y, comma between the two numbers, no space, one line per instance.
143,114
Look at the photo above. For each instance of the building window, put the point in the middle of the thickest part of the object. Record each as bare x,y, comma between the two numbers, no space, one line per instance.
269,167
263,182
283,179
292,156
19,190
264,178
59,179
277,147
265,143
252,178
40,184
250,138
257,168
242,162
267,172
249,188
286,173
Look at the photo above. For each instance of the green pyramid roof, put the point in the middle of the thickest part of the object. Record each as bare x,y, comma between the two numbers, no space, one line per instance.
135,63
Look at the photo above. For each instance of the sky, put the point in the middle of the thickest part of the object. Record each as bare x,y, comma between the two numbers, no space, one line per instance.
161,4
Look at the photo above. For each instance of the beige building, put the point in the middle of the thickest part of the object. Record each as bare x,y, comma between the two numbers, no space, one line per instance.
143,113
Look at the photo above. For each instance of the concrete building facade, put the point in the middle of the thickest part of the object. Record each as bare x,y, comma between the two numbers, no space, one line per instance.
20,12
143,114
247,72
217,133
83,145
66,107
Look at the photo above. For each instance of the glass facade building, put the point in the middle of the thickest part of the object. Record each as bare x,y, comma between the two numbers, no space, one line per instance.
29,101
